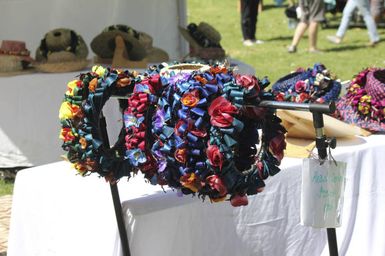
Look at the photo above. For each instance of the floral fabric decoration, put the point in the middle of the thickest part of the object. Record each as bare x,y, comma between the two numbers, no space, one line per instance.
304,86
81,128
364,102
206,136
195,131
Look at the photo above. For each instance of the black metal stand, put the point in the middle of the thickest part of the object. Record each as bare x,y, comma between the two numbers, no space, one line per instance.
322,143
115,196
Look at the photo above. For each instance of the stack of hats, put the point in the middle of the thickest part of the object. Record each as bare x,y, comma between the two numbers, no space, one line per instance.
204,41
61,50
14,57
139,45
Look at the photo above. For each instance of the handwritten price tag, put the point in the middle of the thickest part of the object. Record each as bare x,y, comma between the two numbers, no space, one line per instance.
322,193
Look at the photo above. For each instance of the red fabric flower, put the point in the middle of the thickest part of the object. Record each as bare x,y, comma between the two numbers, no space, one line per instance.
181,155
221,112
247,81
216,183
176,128
218,70
191,181
278,145
239,200
280,96
123,82
215,156
302,97
66,134
93,84
155,82
190,99
300,86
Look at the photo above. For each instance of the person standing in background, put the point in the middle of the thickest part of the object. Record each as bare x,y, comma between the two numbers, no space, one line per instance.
312,13
249,17
377,9
364,9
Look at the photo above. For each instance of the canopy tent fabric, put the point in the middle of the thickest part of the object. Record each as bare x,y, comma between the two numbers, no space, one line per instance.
27,20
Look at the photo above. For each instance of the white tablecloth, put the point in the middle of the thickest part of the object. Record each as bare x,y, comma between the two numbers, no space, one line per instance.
56,212
29,122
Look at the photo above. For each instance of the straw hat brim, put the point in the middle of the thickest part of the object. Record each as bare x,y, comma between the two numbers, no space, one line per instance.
13,64
186,34
155,55
26,71
103,45
62,67
299,124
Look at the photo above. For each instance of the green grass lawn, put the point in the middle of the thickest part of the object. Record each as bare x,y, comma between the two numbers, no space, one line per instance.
271,59
6,188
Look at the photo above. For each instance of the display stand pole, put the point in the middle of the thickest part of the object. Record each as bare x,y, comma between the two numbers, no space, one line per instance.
115,195
322,143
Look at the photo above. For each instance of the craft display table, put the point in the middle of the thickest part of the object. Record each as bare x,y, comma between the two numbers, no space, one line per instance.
56,212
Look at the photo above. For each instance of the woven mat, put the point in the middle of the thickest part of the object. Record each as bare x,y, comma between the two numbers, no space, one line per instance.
5,216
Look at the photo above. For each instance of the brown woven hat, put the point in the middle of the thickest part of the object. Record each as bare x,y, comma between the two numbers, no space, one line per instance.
14,57
61,50
207,47
153,54
210,32
103,45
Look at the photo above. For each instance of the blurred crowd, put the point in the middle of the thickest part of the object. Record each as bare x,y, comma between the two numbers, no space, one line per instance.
308,15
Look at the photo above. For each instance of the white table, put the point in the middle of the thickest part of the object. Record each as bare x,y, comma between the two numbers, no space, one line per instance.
56,212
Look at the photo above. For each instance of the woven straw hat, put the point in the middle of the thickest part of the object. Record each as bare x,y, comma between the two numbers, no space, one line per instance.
14,57
61,50
203,40
299,124
103,45
210,32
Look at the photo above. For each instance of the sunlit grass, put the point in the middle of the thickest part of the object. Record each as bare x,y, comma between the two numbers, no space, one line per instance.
271,59
6,187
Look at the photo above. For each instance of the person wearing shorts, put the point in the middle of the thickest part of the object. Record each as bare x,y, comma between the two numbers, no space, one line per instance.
312,13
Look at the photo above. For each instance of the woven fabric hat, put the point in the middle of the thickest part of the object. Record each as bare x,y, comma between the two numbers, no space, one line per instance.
61,50
314,84
364,101
210,32
203,40
14,57
153,54
103,45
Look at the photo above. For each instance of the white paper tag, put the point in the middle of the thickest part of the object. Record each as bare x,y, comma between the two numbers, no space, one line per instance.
322,193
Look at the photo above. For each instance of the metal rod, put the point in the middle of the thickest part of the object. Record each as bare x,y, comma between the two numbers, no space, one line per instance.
317,110
322,145
115,196
312,107
332,241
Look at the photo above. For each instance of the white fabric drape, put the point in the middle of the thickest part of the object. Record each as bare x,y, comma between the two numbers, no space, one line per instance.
56,212
29,20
